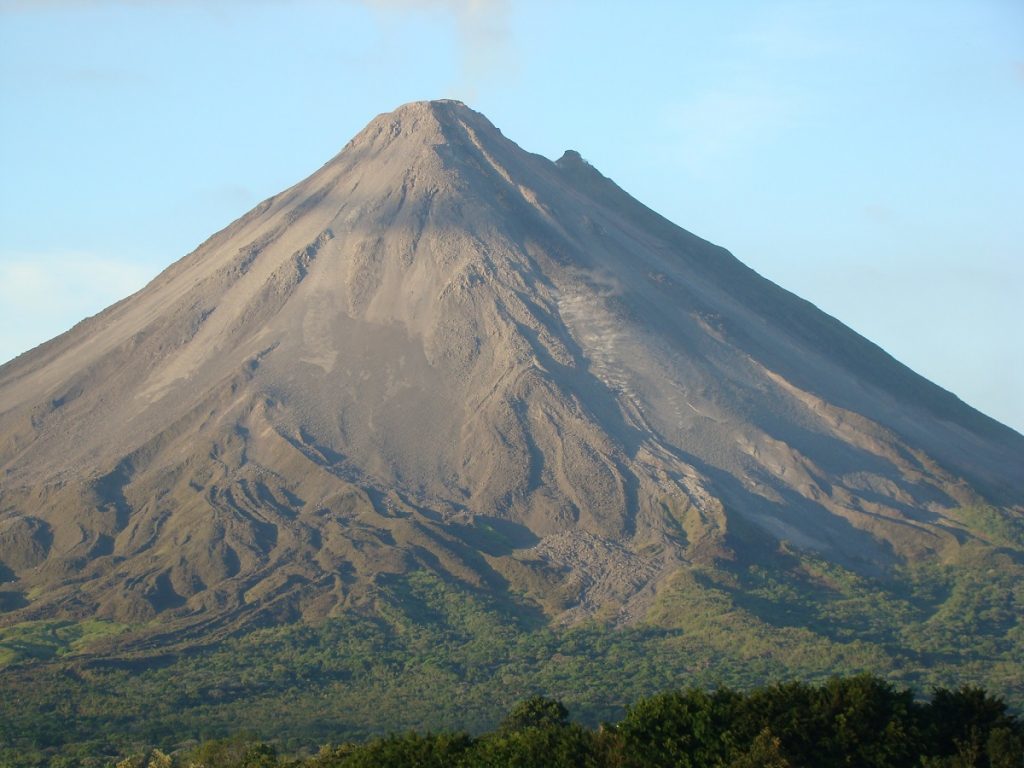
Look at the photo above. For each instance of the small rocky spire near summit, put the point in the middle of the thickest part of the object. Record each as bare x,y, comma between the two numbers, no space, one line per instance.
573,164
570,158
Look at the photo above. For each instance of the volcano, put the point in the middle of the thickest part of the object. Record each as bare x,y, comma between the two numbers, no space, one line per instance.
442,353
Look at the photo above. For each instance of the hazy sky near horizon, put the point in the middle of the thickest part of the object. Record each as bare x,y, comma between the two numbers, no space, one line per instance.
865,155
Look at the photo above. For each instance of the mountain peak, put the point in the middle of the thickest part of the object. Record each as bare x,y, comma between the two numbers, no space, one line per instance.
426,121
440,345
411,113
434,105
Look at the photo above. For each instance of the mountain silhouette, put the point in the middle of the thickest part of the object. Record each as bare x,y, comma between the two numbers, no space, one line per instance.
442,352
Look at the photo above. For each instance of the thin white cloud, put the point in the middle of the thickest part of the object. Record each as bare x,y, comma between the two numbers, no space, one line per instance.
721,126
748,93
881,214
796,32
42,5
481,26
44,294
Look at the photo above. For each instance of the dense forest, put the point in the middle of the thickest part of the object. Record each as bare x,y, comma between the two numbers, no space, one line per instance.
853,721
439,657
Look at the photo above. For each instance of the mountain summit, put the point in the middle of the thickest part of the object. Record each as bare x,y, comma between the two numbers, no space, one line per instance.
442,352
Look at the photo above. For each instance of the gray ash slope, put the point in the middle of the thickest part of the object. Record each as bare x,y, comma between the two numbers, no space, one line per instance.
440,351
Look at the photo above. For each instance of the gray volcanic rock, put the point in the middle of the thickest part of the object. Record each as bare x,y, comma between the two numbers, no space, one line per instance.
440,351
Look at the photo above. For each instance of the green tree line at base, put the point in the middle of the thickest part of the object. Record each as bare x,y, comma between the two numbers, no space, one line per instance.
859,721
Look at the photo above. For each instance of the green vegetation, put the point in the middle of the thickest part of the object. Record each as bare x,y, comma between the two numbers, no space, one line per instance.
855,721
50,639
436,655
1002,527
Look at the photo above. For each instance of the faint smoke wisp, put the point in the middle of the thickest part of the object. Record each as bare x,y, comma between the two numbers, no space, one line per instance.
481,26
482,32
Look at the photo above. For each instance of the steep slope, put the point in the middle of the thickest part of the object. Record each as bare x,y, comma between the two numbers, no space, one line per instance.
441,352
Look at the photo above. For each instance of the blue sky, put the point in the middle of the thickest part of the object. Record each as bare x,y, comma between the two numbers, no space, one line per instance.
865,155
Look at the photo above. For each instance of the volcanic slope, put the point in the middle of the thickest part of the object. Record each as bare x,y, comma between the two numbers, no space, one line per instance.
442,352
